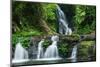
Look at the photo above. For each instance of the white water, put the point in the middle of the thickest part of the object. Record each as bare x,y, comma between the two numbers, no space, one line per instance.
74,53
64,29
20,52
52,50
63,24
40,49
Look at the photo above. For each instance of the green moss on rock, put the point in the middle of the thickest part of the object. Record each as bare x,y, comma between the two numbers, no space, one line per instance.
85,49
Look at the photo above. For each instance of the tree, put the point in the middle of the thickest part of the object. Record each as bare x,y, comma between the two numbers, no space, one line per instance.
27,14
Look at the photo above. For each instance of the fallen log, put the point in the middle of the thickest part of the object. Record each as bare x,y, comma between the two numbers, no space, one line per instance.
69,38
87,37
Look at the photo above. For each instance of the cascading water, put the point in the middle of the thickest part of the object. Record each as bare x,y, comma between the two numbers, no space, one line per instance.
63,25
64,29
20,52
40,49
52,50
74,54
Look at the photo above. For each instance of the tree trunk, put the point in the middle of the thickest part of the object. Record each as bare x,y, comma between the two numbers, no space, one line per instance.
44,26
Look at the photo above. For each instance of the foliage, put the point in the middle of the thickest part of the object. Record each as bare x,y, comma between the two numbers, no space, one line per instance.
47,43
50,11
50,15
25,18
64,49
85,19
23,40
84,49
80,14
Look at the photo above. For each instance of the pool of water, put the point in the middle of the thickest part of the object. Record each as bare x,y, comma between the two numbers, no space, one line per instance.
26,62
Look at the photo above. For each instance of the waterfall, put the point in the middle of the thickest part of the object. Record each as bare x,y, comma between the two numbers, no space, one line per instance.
64,29
40,49
74,54
20,52
63,24
52,50
37,51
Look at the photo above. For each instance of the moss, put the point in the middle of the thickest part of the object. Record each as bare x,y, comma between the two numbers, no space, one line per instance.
70,38
64,49
23,40
87,43
46,43
24,37
83,50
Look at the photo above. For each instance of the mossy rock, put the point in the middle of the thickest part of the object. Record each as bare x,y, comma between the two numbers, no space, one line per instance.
64,49
47,43
69,38
85,50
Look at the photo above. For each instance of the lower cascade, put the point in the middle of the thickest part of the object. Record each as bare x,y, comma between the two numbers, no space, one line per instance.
20,52
74,54
40,49
52,50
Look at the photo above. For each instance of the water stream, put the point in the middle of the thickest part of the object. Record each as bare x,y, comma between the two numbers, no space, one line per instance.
20,53
74,54
40,49
63,24
52,50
